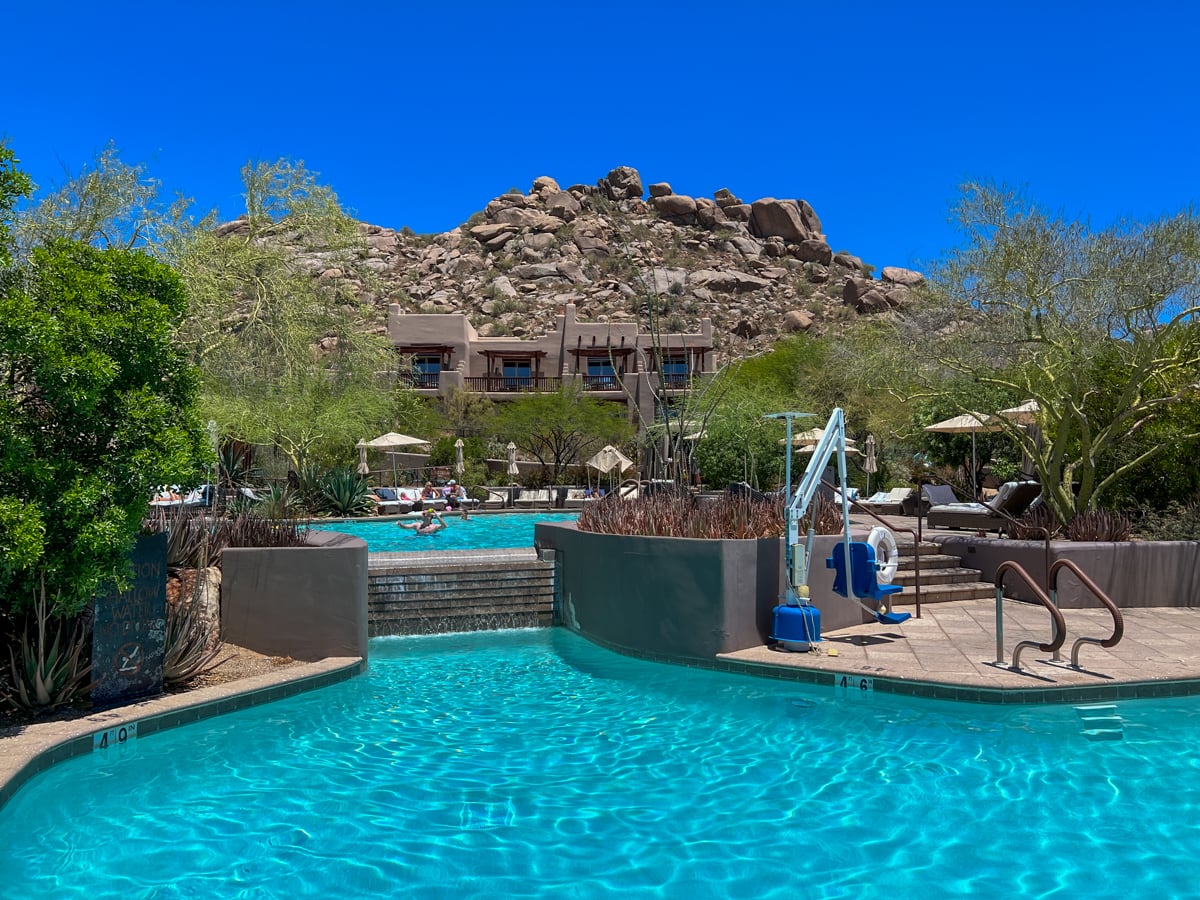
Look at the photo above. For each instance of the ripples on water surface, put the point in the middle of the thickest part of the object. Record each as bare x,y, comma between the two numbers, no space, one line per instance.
533,764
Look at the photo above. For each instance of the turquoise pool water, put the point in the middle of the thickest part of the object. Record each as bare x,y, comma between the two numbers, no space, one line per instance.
486,531
533,764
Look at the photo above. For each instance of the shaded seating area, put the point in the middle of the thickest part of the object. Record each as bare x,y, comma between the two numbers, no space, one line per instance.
1013,498
389,503
531,499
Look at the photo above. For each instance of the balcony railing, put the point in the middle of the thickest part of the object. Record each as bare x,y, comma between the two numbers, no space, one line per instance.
420,380
676,380
601,383
512,383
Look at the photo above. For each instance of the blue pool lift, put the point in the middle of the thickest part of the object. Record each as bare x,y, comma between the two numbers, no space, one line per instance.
797,623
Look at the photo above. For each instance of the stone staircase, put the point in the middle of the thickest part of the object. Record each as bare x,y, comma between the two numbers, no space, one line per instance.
943,578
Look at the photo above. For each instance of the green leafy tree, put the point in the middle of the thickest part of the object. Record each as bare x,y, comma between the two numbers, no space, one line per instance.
99,408
562,429
286,354
1098,327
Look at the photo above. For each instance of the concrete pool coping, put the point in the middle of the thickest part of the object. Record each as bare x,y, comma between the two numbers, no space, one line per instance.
40,745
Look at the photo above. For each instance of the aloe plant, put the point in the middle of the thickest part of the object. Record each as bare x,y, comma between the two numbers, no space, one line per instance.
49,667
191,644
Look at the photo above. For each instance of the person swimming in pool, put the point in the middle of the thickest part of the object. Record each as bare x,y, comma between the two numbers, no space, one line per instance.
426,524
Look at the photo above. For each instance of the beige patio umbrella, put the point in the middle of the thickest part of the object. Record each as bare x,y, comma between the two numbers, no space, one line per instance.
392,442
1025,414
971,423
869,464
458,458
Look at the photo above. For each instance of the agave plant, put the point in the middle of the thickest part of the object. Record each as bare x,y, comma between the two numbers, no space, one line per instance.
49,667
280,502
346,493
192,642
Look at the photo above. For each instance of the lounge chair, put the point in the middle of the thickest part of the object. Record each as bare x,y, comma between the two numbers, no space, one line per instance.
535,499
495,499
389,503
1013,498
412,496
888,503
577,496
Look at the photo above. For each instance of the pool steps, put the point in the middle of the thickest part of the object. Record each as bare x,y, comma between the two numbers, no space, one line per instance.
1101,722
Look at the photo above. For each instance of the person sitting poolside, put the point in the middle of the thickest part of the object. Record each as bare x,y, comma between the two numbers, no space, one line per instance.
455,494
429,492
426,524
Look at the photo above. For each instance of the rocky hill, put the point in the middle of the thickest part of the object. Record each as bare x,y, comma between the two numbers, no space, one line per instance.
757,269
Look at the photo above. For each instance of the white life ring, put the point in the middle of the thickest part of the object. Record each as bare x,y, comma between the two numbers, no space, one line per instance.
885,563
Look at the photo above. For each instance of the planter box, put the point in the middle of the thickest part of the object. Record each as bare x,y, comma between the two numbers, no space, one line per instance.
682,598
1135,574
304,602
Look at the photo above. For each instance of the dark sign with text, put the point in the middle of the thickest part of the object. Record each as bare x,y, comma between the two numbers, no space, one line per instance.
129,628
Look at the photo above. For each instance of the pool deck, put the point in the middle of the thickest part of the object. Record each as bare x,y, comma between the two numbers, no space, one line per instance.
950,653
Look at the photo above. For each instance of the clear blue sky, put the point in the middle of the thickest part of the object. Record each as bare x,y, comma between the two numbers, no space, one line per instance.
418,113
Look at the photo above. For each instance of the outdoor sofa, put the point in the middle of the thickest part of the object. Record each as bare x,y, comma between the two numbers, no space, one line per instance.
1013,498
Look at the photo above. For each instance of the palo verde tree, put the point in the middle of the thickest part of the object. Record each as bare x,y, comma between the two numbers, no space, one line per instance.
277,326
563,428
1099,328
99,408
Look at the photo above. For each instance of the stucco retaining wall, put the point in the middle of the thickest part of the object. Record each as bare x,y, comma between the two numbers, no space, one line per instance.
681,597
1135,574
304,602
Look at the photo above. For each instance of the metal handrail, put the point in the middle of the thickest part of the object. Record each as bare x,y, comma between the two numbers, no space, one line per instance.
916,547
1057,621
1118,619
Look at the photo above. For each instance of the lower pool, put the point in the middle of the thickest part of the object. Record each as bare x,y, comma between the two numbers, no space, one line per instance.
534,764
484,531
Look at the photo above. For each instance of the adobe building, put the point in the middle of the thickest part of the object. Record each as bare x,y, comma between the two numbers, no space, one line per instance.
610,360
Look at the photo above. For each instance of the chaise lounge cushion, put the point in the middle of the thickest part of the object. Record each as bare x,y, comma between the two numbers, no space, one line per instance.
1013,498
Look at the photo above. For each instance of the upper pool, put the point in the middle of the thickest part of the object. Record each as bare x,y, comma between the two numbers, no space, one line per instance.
486,531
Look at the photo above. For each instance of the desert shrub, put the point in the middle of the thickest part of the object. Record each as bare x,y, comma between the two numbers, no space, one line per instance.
1178,522
1098,525
252,530
281,502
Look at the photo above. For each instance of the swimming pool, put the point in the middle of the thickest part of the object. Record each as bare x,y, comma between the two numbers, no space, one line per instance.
534,764
488,531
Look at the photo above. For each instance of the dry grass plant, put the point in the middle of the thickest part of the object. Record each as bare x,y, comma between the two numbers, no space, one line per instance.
682,516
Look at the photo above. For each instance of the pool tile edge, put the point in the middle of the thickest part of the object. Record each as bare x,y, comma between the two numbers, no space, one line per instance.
41,745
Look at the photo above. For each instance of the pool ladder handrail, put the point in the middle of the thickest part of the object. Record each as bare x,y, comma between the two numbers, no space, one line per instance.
1056,617
1096,591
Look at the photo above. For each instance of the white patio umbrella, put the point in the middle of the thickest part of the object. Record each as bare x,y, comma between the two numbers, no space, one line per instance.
1026,414
609,458
967,423
513,471
869,464
363,468
393,441
458,458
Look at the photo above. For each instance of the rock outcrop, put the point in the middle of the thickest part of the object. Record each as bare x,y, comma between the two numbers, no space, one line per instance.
758,270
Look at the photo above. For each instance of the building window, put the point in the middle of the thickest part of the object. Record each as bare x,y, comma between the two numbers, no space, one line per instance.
675,370
517,373
426,369
600,373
